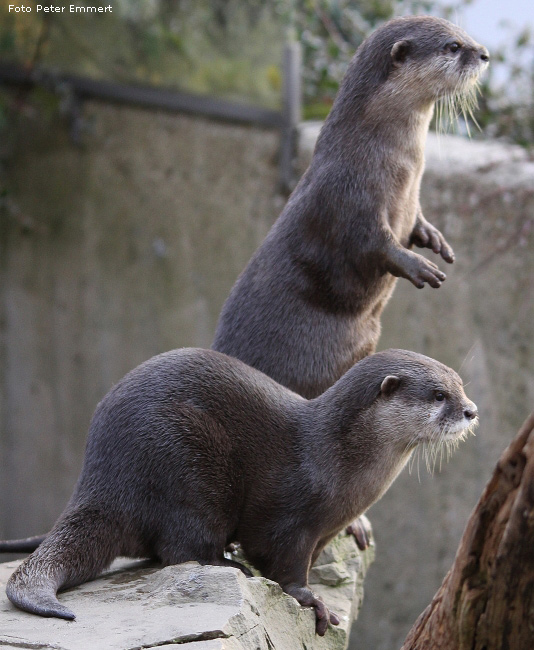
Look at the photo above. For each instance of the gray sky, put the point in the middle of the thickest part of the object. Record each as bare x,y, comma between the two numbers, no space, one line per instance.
482,19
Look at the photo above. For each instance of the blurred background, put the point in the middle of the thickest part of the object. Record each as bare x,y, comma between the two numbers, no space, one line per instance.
144,154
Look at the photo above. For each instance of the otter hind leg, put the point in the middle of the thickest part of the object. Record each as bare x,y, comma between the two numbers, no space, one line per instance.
223,561
81,545
213,559
361,530
187,538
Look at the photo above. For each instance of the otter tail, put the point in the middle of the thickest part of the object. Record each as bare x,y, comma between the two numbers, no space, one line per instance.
26,545
81,545
36,595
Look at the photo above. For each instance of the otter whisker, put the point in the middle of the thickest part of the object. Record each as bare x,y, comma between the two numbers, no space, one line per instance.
444,446
468,101
439,448
464,360
440,130
412,443
411,461
415,455
429,459
464,114
462,101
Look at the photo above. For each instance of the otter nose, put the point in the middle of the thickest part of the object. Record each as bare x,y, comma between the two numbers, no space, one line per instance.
471,412
484,55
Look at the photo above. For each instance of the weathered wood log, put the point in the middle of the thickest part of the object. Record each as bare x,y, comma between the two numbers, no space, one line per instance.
486,601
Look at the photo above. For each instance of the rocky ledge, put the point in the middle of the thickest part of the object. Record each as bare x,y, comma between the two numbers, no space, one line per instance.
138,605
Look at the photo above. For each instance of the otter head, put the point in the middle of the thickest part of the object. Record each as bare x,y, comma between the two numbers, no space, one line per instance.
425,402
410,63
434,58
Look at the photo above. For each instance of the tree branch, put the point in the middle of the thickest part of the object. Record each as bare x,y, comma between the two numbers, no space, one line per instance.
486,601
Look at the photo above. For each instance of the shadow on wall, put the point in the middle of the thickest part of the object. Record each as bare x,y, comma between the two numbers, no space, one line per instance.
111,253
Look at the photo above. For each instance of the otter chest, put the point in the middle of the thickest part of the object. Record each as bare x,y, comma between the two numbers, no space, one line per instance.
403,200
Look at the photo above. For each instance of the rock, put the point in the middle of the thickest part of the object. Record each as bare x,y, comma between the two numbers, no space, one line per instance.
136,604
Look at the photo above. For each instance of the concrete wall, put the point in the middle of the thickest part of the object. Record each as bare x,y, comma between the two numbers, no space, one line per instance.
128,246
480,322
109,254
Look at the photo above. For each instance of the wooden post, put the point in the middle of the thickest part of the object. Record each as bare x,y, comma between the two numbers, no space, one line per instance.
486,601
291,111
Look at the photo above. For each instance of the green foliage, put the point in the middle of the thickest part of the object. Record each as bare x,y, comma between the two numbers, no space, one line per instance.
331,30
507,101
223,47
233,49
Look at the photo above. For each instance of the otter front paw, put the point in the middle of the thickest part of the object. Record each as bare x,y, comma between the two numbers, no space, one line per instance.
425,235
306,597
419,270
360,529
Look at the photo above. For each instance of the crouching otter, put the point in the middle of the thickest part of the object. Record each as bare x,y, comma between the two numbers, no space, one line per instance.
193,449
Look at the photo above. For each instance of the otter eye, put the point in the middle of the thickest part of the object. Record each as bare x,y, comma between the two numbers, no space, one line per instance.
439,396
453,47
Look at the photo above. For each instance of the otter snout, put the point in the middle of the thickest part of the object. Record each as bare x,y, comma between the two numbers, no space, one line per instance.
473,56
484,54
461,418
452,413
480,55
471,412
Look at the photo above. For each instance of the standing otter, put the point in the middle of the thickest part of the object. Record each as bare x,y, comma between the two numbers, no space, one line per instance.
193,450
308,305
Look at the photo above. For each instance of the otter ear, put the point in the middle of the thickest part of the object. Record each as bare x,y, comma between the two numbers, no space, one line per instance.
389,385
399,52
